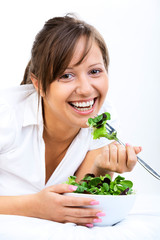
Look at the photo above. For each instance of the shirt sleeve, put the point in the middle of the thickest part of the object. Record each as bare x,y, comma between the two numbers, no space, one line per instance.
7,127
98,143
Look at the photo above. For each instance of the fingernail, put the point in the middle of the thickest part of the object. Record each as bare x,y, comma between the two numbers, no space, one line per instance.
96,220
100,214
141,148
89,225
94,202
127,144
72,188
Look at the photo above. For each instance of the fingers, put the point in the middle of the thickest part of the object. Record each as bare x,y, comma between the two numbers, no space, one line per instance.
83,221
82,212
74,210
83,216
78,201
137,149
126,156
70,201
62,188
131,157
118,158
122,158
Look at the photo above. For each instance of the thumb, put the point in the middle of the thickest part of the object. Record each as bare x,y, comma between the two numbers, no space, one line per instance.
62,188
137,149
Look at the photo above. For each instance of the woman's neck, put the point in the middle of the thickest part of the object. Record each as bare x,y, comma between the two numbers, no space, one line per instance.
56,130
58,134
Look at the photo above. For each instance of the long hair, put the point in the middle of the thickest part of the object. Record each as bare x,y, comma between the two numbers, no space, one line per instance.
54,47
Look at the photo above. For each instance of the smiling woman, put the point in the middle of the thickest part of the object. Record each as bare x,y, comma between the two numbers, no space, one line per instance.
44,137
85,85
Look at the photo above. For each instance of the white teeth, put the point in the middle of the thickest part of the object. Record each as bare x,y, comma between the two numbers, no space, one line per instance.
76,104
83,104
83,109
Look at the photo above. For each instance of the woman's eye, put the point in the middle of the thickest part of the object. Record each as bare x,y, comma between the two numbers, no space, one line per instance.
66,76
95,71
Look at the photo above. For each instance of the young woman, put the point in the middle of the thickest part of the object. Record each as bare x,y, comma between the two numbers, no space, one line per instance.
43,133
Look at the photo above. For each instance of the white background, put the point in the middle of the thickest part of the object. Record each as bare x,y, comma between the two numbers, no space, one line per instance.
131,29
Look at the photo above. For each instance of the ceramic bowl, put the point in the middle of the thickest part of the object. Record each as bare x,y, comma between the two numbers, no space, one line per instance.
116,207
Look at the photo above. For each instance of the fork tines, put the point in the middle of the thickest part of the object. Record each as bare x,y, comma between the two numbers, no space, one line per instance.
110,128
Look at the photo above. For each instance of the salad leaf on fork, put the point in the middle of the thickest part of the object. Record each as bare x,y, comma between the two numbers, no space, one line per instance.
98,124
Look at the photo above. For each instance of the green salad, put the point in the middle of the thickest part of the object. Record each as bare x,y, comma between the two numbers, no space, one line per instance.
102,185
98,124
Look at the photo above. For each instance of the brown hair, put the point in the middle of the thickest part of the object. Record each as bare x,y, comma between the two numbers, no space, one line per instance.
54,47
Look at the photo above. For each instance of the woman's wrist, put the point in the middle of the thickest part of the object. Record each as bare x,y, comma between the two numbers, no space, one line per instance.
29,205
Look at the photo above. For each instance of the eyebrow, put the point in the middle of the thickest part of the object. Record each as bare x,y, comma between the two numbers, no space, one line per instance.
89,65
95,64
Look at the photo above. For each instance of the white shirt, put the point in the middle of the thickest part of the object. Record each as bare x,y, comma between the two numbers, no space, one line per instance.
22,149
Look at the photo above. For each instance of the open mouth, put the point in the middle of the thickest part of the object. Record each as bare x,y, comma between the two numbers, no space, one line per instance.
83,105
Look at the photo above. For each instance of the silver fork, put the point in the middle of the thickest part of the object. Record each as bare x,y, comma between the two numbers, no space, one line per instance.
111,130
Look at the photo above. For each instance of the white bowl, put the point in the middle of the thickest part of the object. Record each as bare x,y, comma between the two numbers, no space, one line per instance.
116,207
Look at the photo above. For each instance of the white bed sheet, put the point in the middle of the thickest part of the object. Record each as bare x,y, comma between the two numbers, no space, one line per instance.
143,223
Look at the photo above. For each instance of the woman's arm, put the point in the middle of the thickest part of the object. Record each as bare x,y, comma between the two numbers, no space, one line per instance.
51,204
109,159
23,205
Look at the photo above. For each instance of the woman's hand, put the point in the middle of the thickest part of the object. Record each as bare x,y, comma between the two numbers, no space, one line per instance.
51,204
117,158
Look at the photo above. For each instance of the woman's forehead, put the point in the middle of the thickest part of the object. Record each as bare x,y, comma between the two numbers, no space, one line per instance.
82,50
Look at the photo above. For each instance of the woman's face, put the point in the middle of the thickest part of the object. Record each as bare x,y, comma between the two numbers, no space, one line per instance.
80,92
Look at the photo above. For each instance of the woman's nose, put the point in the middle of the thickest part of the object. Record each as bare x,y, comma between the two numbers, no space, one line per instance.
84,86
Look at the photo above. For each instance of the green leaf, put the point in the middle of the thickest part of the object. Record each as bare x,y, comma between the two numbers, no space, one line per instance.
95,181
119,178
106,187
71,180
99,120
102,178
115,188
121,188
84,184
88,177
127,183
108,176
80,189
112,185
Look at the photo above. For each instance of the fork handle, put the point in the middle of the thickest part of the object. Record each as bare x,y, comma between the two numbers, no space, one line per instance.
144,164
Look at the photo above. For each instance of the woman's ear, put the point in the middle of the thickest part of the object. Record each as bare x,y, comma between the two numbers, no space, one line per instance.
35,83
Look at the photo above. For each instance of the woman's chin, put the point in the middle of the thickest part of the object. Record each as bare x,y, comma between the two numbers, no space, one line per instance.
84,125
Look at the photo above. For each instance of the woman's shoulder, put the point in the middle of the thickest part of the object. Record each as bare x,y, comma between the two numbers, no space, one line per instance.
14,101
14,95
12,108
7,125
